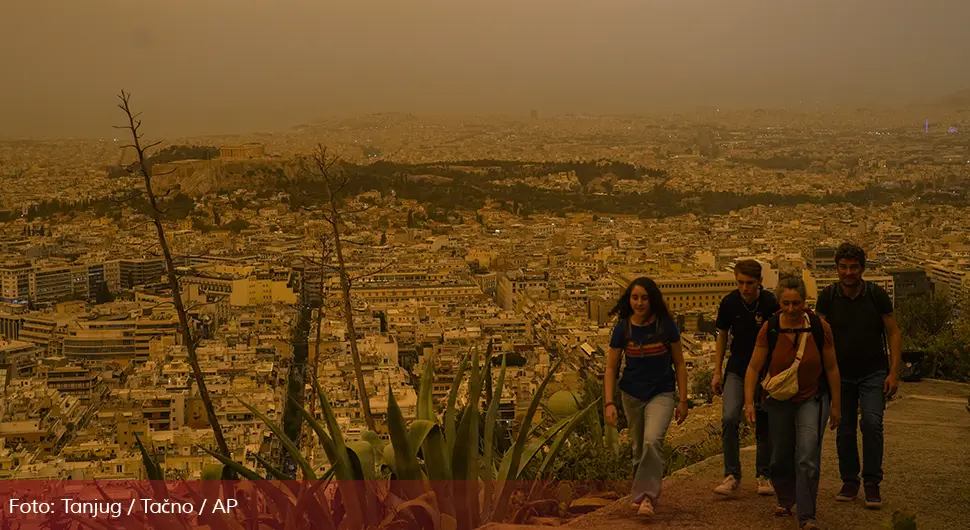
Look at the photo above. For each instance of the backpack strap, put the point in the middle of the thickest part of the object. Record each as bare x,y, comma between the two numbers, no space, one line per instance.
818,333
774,328
871,291
629,334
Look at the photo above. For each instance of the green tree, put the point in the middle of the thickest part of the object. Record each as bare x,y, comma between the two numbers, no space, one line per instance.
383,239
929,324
923,317
237,225
700,385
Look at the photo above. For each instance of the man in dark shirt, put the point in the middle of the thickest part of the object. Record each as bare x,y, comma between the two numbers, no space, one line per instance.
741,315
861,316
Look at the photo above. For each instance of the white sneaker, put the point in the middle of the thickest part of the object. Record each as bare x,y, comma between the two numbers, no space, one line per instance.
646,507
729,488
764,487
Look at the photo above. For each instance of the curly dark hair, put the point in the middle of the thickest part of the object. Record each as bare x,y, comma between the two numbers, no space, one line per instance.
850,251
658,307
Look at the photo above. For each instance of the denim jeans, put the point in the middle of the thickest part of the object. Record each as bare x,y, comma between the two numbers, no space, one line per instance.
731,416
648,422
865,393
796,442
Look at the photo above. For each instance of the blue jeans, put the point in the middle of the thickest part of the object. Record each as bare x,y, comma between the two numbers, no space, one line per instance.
865,393
731,416
648,422
796,442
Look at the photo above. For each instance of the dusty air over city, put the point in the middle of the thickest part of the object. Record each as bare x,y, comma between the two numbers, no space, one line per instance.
509,264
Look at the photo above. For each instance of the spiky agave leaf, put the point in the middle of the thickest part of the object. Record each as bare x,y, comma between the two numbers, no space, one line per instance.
563,434
519,446
243,471
288,444
450,412
491,420
425,392
465,455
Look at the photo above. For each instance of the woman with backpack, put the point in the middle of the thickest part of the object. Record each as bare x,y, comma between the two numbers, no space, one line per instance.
794,358
648,338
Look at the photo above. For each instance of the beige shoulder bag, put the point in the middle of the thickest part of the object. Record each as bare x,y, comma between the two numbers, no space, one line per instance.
784,385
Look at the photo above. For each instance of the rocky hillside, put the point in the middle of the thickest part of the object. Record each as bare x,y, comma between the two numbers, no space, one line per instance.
199,177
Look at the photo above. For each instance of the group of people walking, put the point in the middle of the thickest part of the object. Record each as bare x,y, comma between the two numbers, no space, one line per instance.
790,372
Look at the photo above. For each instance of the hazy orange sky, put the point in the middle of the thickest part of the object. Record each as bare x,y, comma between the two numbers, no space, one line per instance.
223,66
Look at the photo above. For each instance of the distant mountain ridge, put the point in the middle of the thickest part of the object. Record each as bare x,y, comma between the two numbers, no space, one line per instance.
960,98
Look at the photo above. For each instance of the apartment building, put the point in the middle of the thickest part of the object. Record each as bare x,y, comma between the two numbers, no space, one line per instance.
117,339
52,282
45,330
393,293
20,357
132,272
949,279
242,286
514,283
910,283
15,281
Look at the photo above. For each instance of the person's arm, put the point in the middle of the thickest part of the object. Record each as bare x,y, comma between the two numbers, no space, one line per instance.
723,324
680,365
717,382
612,367
609,385
834,379
895,354
758,359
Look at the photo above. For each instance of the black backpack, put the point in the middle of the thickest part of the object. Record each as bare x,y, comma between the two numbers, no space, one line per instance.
817,331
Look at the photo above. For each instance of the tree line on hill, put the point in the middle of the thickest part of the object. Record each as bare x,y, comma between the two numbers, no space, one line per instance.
471,186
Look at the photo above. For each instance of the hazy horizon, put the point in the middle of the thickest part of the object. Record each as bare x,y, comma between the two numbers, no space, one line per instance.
200,67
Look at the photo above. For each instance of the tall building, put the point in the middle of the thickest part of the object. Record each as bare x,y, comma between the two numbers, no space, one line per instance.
910,283
948,279
15,281
823,258
134,272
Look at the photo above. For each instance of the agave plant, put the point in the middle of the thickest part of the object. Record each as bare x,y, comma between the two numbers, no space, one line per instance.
438,475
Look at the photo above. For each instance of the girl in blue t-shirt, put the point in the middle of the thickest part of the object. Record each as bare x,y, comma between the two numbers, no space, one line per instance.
648,338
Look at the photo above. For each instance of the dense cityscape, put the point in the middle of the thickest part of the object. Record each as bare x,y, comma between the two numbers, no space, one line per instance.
513,235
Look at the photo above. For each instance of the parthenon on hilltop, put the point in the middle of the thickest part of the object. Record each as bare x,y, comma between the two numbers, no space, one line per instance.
250,150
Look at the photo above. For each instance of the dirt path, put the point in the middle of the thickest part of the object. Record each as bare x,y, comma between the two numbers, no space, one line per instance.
927,465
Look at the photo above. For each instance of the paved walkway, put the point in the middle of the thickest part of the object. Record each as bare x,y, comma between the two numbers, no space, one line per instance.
927,465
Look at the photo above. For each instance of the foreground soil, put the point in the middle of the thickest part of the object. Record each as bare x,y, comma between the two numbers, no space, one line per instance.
927,467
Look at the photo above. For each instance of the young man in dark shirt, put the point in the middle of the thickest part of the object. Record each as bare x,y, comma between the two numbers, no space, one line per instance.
861,316
741,314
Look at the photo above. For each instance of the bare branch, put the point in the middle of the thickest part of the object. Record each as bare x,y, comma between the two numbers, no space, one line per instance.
151,145
134,124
